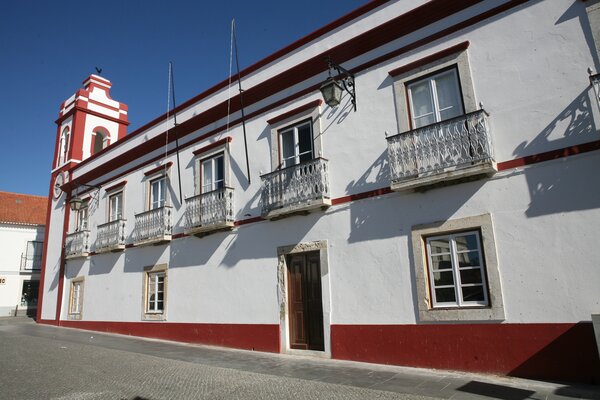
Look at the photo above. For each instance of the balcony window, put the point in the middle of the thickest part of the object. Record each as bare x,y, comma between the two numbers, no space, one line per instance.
115,206
435,98
213,173
81,218
32,259
158,192
299,182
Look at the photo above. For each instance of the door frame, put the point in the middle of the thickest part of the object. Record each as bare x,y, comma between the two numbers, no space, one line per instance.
282,278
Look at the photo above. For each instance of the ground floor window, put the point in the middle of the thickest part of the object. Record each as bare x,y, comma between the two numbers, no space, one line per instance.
456,270
76,298
155,290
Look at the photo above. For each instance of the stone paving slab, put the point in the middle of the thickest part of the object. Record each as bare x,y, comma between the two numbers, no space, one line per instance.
61,363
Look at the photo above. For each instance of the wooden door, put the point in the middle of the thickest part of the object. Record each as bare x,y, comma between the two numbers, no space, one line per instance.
305,301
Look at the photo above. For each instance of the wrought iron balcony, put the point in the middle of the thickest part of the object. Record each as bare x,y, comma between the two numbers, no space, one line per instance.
31,262
448,150
111,236
77,244
209,211
153,226
298,188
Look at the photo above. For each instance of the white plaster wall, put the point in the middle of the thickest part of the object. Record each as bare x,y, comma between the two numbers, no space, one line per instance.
529,69
53,253
13,244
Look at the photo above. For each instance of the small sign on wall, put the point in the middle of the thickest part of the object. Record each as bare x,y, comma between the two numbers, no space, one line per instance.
2,280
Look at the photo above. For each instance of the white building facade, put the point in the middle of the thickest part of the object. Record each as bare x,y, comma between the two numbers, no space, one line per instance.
22,219
448,221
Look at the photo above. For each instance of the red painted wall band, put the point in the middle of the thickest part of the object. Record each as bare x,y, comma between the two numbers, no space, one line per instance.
549,155
429,59
214,145
260,337
540,351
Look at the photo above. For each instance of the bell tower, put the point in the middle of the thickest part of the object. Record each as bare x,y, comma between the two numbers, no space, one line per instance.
88,122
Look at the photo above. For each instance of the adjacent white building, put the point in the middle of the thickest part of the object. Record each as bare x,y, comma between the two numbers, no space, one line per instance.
22,219
447,218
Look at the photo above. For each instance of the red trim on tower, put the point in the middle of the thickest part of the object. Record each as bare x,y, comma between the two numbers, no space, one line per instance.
431,58
77,134
298,110
158,169
260,337
103,105
561,351
63,263
213,145
116,186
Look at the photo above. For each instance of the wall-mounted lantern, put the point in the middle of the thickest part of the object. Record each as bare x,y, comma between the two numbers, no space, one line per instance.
333,88
76,202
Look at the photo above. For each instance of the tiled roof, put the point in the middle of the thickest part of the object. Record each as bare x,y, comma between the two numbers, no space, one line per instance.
19,208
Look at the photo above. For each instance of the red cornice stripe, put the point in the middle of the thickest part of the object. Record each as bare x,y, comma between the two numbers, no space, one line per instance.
298,110
426,60
116,186
211,146
549,155
158,169
415,19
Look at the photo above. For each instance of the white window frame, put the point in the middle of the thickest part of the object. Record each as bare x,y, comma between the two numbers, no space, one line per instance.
458,60
428,310
294,130
203,156
82,217
314,115
455,269
435,106
116,194
150,310
76,298
105,140
151,181
213,161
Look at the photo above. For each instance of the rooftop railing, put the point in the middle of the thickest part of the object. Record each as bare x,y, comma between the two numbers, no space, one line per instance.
208,211
452,145
153,226
296,188
111,236
77,244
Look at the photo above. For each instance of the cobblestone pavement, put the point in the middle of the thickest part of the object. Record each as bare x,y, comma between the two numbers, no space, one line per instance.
43,362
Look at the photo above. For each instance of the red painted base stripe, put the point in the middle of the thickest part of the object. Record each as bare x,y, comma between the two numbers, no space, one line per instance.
549,155
260,337
564,352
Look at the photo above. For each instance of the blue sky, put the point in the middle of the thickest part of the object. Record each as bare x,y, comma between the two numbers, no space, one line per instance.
47,48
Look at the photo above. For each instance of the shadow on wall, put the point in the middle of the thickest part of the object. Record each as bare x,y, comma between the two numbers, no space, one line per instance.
572,356
552,192
576,10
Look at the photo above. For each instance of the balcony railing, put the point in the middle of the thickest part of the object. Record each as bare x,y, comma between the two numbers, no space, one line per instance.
152,227
77,244
31,262
209,211
111,236
450,149
297,188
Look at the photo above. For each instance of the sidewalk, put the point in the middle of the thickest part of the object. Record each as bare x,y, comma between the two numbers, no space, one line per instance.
398,380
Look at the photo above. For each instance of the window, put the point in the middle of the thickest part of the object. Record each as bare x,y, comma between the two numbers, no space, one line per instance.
115,206
434,98
33,255
456,270
63,146
155,292
158,192
434,88
213,173
76,298
81,219
296,144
